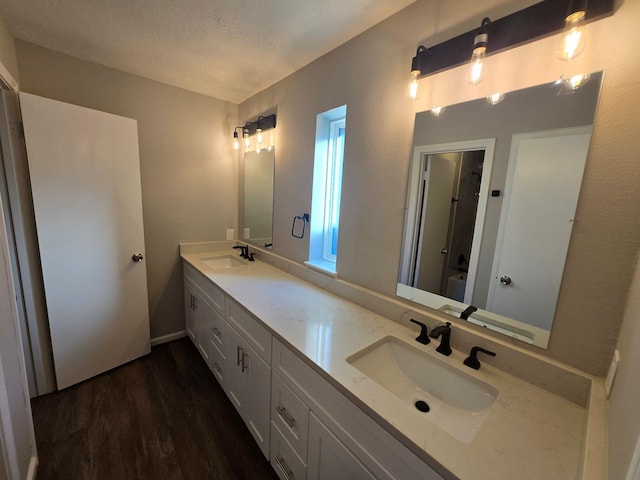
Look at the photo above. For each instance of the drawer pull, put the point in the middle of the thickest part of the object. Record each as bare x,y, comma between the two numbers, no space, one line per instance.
238,350
217,367
285,416
216,332
244,356
283,468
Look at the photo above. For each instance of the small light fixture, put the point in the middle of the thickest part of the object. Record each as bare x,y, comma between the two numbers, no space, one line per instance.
573,39
437,110
477,67
495,99
245,134
236,142
416,71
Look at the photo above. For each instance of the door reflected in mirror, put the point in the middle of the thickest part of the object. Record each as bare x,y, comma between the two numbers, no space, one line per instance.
491,201
258,197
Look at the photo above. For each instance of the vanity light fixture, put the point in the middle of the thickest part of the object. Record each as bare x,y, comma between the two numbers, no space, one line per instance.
477,67
416,71
573,40
257,127
495,99
236,142
537,21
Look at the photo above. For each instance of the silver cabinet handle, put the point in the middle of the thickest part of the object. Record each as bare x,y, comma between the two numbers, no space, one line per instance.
244,367
284,468
136,257
285,416
505,280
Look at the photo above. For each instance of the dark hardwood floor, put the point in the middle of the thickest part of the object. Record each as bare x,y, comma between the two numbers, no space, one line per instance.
163,416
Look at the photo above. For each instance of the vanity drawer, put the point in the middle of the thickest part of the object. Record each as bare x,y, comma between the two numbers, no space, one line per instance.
258,337
290,414
284,459
217,362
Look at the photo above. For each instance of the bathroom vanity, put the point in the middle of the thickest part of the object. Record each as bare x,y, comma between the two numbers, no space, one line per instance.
315,378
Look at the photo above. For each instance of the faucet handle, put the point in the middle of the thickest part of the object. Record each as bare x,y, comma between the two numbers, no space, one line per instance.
472,360
423,337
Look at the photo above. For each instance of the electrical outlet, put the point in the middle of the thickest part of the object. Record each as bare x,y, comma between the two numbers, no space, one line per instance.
613,369
230,233
247,233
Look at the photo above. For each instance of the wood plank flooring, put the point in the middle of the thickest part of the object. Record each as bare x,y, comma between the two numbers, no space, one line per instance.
163,416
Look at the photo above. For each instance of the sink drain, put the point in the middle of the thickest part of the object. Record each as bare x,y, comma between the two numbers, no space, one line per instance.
422,406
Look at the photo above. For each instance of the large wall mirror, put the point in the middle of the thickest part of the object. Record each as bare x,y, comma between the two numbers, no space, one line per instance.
258,196
492,195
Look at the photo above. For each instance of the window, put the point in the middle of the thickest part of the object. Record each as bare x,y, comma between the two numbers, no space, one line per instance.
327,183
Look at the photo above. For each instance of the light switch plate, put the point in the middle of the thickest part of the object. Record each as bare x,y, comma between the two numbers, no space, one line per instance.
229,233
613,369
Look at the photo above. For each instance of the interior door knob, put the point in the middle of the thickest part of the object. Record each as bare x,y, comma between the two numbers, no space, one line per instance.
444,251
136,257
505,280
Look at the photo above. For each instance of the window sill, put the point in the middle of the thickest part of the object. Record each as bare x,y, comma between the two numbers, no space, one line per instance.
322,266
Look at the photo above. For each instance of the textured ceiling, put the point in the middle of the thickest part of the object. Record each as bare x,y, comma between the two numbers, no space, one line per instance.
229,49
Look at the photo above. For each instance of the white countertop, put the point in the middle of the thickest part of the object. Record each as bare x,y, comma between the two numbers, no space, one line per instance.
529,433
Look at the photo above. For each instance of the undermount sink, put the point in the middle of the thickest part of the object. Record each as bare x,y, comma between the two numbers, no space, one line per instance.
454,400
226,261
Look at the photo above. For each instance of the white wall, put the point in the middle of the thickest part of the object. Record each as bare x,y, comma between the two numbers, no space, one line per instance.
624,420
187,163
370,75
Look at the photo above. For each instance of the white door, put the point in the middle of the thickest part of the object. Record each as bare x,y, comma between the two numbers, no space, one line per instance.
541,195
439,181
85,177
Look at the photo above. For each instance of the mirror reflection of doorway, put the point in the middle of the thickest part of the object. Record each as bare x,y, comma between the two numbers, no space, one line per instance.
450,193
448,186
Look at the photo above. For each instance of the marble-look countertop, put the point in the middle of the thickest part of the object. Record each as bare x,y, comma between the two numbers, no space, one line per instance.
529,432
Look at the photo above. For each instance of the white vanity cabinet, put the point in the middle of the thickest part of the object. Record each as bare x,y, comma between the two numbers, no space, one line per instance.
341,440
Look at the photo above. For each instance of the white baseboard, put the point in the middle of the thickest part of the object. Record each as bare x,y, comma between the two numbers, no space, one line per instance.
33,468
168,338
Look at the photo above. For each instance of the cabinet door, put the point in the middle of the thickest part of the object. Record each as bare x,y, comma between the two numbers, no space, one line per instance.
189,299
203,318
329,458
238,383
260,403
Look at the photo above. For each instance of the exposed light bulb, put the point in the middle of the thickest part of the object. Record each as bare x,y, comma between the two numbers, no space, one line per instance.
259,135
413,84
436,110
477,67
247,143
495,99
573,39
236,143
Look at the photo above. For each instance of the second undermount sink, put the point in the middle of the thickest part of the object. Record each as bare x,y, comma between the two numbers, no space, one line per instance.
454,400
226,261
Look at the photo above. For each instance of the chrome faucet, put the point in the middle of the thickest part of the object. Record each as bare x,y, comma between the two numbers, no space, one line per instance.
445,331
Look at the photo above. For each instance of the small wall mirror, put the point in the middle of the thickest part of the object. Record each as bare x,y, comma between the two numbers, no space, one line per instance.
492,195
258,196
